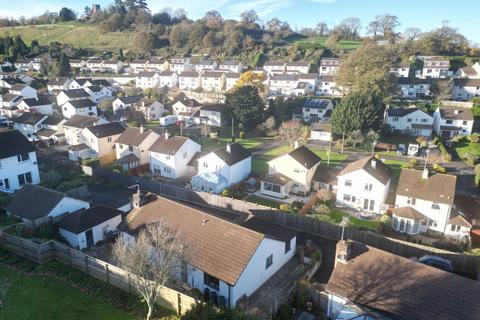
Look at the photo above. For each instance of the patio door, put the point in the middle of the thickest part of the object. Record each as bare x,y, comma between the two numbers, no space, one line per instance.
368,204
89,236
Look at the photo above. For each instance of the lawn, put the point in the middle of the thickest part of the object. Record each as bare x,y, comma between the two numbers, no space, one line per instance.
212,144
337,216
320,42
263,201
463,148
56,291
398,139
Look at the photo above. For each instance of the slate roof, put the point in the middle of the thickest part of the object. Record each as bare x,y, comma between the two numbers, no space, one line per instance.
81,121
13,143
237,154
46,132
52,120
215,246
32,202
232,75
95,88
82,220
106,129
404,288
18,87
105,195
439,188
463,113
133,136
189,74
168,146
326,175
284,77
57,81
400,112
382,172
76,93
79,147
274,64
277,178
130,99
409,213
83,103
41,101
324,127
269,229
10,97
29,118
305,157
147,74
212,74
218,107
298,64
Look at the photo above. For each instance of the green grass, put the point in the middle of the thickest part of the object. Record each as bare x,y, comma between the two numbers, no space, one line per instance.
337,216
398,139
79,35
263,201
335,157
463,148
212,144
320,42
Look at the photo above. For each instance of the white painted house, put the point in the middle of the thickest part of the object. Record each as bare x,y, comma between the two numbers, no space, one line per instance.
132,146
49,204
401,70
29,124
73,127
41,105
290,173
435,67
98,93
212,81
189,80
122,103
466,89
327,86
18,161
72,94
282,84
169,156
151,109
222,168
168,79
274,67
414,87
424,202
297,67
410,121
317,110
58,84
138,66
231,79
212,114
147,79
452,121
329,66
224,260
472,72
84,228
24,91
83,107
321,132
203,65
363,185
231,66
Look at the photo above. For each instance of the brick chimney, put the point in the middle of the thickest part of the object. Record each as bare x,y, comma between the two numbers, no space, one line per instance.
296,145
343,251
373,163
138,200
229,148
166,135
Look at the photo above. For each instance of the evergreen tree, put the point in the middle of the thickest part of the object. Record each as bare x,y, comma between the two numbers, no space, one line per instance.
35,47
246,106
64,69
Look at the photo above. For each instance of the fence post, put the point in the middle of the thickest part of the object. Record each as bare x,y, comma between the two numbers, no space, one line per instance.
107,276
86,265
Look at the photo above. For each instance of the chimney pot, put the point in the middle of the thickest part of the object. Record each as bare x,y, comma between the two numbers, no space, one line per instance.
229,148
457,111
425,174
343,251
166,135
296,144
373,163
141,129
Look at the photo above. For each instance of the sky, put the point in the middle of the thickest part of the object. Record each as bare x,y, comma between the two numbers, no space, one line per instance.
424,14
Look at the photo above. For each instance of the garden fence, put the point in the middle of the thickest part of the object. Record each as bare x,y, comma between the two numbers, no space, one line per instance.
110,274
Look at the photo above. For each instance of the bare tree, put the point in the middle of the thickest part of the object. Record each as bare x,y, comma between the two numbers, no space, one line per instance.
206,130
412,34
355,138
442,89
322,29
291,131
350,28
384,25
151,259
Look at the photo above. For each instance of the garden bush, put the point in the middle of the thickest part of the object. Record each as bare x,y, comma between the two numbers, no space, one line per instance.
474,138
322,209
459,138
470,159
439,168
242,135
285,207
413,163
445,154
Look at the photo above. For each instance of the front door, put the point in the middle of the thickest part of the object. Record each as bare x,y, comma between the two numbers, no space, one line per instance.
365,204
89,236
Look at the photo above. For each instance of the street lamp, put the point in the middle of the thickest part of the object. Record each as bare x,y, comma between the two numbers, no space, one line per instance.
345,222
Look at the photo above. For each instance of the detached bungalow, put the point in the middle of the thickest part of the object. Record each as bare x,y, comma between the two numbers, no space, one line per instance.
225,261
84,228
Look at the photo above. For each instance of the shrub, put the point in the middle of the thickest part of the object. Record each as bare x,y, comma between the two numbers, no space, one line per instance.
285,207
322,209
242,135
226,193
386,219
338,144
474,138
470,159
477,180
421,139
413,163
439,168
297,205
477,169
445,154
459,138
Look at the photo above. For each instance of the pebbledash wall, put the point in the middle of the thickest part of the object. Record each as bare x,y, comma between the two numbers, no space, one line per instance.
462,263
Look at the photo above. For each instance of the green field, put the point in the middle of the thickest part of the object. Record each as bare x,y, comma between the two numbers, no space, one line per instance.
463,148
78,35
319,43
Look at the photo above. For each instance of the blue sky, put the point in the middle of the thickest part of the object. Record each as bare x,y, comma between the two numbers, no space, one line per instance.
425,14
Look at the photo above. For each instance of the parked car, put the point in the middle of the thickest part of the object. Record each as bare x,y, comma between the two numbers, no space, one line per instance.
437,262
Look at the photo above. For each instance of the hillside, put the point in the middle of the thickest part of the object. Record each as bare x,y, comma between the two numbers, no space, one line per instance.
78,35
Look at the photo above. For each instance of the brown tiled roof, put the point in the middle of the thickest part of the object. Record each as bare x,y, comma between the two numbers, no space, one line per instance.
327,127
133,136
460,221
81,121
439,188
216,246
168,146
382,172
456,113
408,213
404,288
269,228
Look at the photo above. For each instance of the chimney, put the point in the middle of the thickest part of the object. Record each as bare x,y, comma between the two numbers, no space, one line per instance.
138,200
141,128
373,163
425,174
343,251
296,145
456,111
229,148
166,135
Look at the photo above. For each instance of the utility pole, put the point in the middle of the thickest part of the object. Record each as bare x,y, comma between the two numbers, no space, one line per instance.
343,140
233,131
181,128
328,152
373,148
